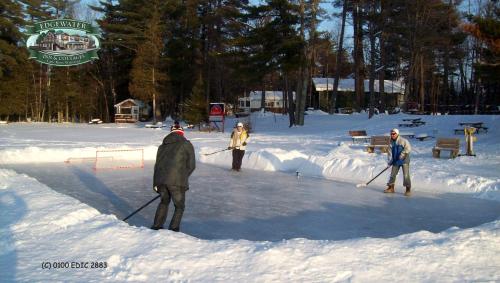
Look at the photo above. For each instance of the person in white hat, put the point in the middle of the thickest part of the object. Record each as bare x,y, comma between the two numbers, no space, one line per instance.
237,143
399,156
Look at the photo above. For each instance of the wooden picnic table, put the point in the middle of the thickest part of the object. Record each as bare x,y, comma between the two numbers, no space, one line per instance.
359,135
408,125
414,123
472,124
404,134
407,135
412,119
423,137
478,125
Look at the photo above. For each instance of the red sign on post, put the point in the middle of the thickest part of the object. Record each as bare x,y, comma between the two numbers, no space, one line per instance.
216,112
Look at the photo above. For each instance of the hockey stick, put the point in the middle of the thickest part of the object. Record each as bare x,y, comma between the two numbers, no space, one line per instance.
140,208
217,151
366,184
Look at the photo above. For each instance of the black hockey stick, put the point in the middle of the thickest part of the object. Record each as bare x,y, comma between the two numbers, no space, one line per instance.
366,184
218,151
133,213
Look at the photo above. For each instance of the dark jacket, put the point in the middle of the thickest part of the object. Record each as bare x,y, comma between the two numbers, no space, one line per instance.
175,162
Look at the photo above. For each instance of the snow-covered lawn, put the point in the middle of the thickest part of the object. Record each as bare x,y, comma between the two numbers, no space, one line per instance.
40,226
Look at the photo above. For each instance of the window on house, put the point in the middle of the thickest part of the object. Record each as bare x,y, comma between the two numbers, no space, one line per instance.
125,110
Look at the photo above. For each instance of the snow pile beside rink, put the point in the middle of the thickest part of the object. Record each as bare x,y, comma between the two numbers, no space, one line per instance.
35,154
349,164
47,236
320,148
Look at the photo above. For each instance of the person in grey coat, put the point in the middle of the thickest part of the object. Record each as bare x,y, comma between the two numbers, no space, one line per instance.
399,156
175,162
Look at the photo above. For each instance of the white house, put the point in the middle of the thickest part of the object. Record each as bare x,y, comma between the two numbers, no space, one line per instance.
347,85
130,111
252,102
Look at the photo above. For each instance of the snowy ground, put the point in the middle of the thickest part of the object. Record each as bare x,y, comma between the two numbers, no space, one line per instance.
253,226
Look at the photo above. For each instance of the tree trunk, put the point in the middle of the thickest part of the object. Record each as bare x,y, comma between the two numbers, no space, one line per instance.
359,76
371,111
291,103
333,101
263,97
381,72
154,96
446,61
421,87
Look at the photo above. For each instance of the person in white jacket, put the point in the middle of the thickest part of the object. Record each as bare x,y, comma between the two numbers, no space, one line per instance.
399,156
237,143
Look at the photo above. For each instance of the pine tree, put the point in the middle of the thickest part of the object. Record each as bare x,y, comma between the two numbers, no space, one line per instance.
147,75
486,29
196,106
13,60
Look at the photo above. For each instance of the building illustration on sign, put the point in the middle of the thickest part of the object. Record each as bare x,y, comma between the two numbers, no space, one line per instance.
63,42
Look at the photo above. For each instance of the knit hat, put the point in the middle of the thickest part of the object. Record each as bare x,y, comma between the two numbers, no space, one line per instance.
177,129
239,124
395,131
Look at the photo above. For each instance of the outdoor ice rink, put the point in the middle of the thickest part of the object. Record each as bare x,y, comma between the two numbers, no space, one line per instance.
267,206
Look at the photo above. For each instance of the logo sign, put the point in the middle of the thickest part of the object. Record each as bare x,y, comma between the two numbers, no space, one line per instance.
216,112
63,42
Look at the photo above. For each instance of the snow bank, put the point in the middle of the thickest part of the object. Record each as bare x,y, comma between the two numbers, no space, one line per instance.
39,227
354,165
34,154
320,148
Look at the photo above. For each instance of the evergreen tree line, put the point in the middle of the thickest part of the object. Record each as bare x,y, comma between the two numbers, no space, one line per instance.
179,55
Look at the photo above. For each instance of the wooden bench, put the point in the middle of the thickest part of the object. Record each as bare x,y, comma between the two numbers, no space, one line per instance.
359,135
154,126
380,142
95,121
450,144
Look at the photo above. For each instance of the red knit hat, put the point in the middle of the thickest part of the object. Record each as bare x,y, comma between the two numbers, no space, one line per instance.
177,129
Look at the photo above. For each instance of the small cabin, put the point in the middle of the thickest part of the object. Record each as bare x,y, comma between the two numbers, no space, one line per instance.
131,111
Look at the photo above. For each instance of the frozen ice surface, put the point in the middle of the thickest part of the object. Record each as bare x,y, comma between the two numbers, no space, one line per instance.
259,205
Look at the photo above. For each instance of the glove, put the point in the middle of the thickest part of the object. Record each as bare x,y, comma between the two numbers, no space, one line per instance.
155,188
244,143
389,163
229,147
402,156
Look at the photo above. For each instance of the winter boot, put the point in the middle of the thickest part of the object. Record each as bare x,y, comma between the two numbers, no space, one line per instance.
389,190
408,191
